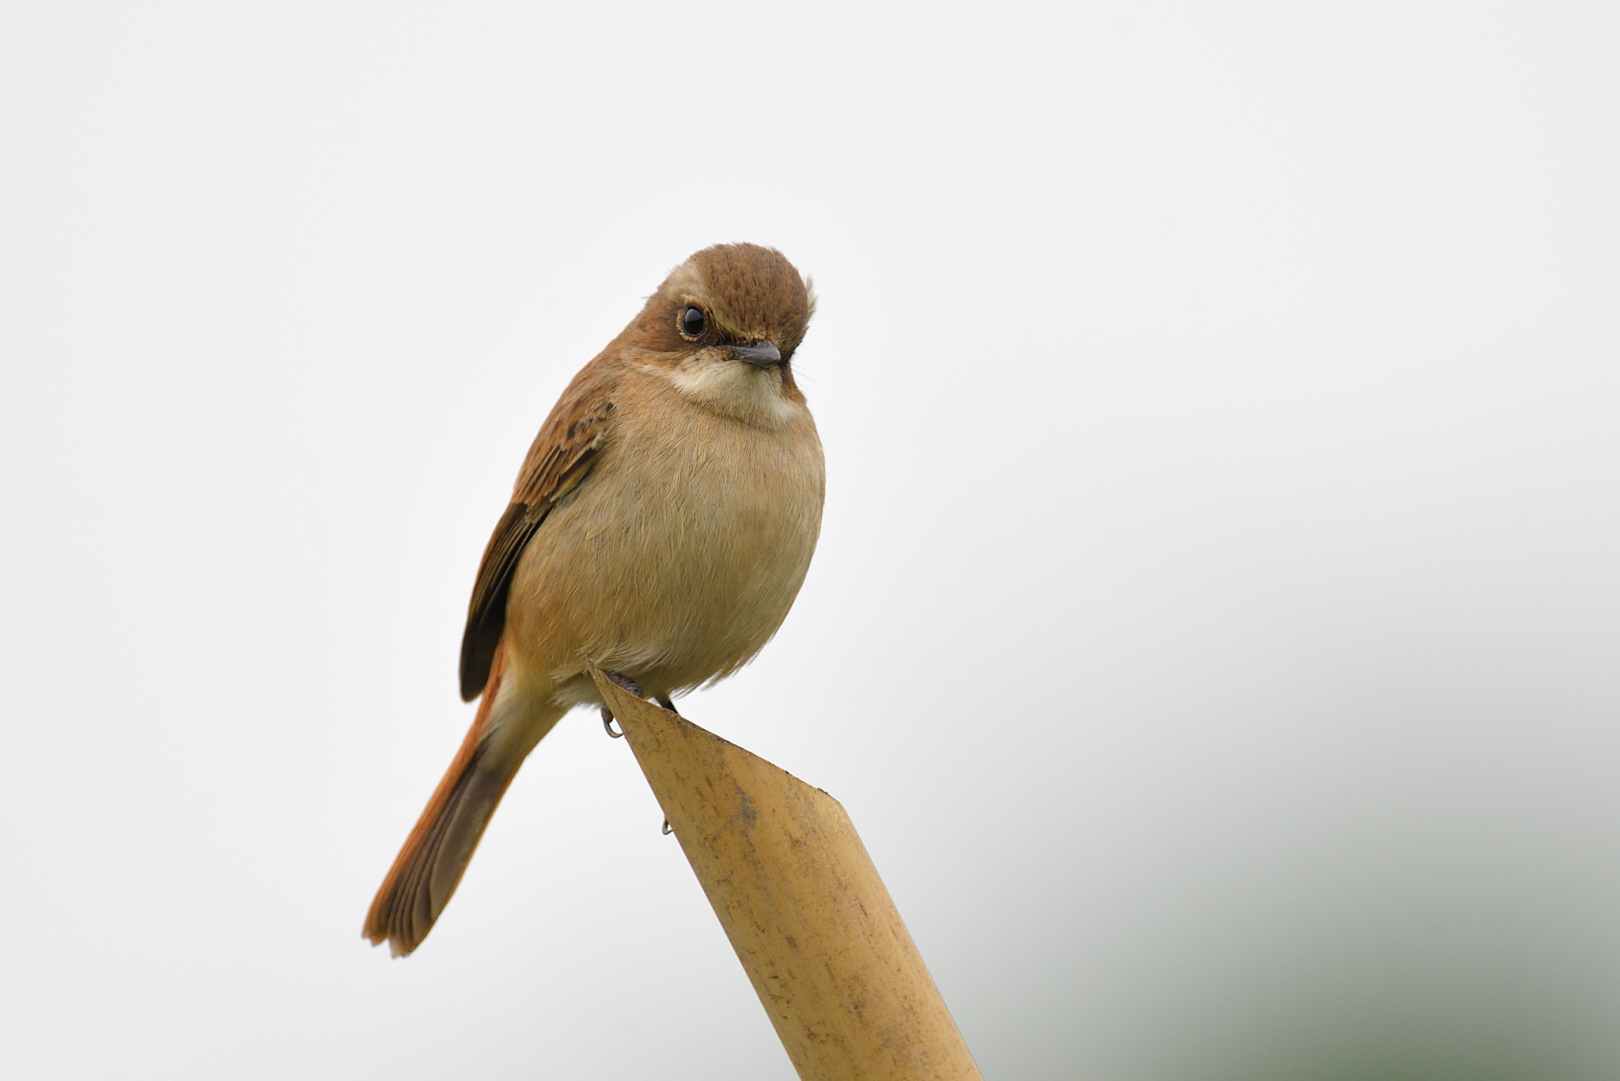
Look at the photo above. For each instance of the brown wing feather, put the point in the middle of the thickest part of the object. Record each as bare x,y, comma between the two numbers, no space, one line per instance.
559,459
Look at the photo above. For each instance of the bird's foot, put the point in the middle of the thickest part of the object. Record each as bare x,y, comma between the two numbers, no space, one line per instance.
635,688
628,684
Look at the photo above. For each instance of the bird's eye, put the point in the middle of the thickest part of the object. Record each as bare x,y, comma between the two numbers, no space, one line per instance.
692,322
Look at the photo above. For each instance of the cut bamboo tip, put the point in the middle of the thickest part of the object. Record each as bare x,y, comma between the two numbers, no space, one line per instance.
804,908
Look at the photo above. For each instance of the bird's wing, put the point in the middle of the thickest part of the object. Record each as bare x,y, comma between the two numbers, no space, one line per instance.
562,455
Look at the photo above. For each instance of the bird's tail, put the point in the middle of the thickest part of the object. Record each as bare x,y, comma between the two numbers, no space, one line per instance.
430,865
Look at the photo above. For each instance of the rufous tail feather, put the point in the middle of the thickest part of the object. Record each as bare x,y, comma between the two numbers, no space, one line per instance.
436,854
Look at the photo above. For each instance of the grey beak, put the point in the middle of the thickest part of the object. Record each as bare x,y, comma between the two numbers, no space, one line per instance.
760,354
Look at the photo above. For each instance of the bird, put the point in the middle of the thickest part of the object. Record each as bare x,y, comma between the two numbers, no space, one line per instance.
660,529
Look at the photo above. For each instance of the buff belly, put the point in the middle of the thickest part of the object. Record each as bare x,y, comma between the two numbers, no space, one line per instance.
675,572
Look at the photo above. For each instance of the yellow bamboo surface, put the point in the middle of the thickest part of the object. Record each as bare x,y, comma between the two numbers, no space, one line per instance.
804,908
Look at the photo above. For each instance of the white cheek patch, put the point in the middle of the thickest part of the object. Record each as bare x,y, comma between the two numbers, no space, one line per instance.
735,388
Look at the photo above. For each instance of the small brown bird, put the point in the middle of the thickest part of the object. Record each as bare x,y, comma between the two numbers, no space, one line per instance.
660,528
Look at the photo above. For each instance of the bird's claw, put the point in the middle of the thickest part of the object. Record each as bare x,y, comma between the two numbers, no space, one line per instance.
627,683
607,715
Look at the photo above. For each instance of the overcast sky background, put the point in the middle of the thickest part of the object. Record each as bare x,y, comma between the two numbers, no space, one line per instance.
1214,632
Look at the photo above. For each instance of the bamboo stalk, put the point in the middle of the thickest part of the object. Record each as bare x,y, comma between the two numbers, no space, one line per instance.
804,908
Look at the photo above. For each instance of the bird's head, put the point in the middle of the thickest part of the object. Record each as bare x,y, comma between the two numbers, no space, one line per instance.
724,326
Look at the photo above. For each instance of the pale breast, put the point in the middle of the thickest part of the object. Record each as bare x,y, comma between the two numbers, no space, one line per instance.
681,554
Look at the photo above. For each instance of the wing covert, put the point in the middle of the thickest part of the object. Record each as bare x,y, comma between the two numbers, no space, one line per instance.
558,461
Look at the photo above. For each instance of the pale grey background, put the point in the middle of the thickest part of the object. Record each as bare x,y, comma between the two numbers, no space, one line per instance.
1214,632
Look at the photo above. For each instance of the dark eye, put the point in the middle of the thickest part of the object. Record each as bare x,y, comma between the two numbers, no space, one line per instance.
692,321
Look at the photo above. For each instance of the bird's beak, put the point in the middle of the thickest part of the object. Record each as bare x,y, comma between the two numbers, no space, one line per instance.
760,354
